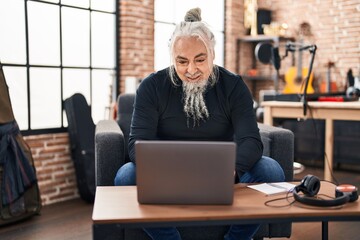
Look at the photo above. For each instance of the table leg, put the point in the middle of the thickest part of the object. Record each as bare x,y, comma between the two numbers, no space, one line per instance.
268,119
329,146
325,230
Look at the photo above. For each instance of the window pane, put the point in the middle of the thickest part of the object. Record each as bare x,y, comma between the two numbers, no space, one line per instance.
102,94
45,99
77,3
76,81
75,37
212,12
215,14
219,48
164,11
182,6
16,81
162,35
12,29
104,5
103,40
44,34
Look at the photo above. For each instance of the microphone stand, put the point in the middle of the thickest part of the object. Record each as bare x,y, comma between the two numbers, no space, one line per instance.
292,47
312,50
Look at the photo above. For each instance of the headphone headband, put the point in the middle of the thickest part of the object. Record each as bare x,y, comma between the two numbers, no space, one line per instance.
321,202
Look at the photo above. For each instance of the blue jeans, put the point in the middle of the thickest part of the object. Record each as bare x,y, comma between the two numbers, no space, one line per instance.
265,170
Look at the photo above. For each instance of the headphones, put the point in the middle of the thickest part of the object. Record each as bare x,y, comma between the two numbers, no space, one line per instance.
310,186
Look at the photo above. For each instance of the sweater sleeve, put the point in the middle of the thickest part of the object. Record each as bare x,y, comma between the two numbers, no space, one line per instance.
145,116
246,131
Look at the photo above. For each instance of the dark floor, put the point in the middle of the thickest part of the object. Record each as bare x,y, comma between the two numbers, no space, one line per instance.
72,219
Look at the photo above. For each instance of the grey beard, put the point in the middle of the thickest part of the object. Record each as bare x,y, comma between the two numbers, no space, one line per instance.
194,102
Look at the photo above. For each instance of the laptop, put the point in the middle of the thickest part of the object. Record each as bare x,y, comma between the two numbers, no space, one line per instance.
185,172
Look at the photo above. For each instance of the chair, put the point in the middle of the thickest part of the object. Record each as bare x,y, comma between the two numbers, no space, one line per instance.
111,152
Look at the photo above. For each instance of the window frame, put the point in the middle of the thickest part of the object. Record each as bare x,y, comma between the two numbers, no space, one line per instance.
61,67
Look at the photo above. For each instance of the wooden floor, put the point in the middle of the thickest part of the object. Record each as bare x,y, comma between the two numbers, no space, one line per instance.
71,220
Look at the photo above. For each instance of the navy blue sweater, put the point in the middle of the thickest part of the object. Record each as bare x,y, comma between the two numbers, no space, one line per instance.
158,115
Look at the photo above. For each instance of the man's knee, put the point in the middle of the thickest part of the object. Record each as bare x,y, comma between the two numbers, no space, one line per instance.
267,170
126,175
272,170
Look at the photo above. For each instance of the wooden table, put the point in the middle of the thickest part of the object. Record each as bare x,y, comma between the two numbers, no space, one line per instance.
328,111
117,207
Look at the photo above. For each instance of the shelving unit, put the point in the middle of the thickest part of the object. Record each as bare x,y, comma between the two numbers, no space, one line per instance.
253,40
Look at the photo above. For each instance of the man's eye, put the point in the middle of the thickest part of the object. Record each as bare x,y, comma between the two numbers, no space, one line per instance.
200,60
182,62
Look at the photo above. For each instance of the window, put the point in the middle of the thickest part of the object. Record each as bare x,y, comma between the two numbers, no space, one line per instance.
55,48
168,13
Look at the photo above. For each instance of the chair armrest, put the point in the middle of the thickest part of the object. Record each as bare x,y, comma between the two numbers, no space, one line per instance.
279,145
109,151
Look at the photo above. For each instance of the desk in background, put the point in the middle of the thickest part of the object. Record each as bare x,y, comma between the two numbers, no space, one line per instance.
328,111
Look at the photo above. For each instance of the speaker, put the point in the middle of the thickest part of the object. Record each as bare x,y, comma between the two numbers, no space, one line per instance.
310,186
263,17
263,52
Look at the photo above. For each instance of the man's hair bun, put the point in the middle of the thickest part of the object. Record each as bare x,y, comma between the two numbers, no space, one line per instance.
193,15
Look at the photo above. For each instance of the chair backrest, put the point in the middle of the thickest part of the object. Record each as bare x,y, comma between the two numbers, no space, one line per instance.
125,106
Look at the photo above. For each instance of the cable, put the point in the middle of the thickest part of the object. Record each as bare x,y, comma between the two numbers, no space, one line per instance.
267,203
317,136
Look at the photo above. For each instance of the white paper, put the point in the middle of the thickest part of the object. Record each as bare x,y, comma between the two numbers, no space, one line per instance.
273,188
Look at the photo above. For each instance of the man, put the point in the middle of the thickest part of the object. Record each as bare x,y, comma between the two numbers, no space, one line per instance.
194,99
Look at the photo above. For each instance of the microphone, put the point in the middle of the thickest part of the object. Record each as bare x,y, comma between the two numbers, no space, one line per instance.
276,60
276,57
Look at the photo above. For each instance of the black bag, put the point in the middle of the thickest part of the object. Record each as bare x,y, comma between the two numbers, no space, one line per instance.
81,130
19,190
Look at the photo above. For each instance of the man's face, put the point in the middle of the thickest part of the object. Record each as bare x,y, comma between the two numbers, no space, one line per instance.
191,60
192,66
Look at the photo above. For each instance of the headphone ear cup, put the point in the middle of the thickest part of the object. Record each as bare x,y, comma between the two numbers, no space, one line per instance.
347,189
310,186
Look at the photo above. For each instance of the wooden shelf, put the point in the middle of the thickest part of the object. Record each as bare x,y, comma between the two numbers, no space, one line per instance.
264,38
251,41
259,78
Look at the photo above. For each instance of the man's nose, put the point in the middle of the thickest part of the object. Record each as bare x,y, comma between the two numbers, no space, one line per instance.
192,68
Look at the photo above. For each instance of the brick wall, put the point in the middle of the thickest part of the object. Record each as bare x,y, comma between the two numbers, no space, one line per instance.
234,28
336,29
335,24
136,39
54,167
